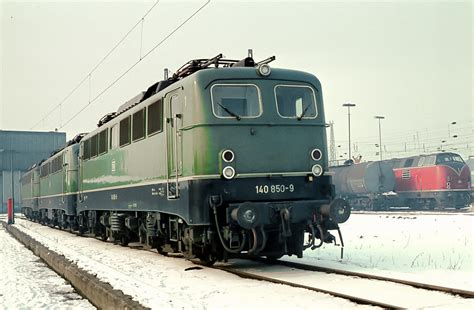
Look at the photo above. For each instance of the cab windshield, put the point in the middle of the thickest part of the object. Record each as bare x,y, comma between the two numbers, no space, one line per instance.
236,101
295,101
444,158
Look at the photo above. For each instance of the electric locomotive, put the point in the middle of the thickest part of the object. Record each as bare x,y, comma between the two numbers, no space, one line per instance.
223,158
440,180
53,187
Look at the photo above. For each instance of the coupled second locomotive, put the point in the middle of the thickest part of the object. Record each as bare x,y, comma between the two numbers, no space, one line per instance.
224,158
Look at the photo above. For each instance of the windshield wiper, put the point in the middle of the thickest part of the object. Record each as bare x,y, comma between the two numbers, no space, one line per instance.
229,111
303,113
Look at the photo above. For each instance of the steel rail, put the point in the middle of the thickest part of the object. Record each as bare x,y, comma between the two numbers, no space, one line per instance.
433,287
355,299
411,212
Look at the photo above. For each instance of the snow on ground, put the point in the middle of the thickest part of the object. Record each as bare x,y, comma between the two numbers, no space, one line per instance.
435,248
165,283
388,293
428,248
27,283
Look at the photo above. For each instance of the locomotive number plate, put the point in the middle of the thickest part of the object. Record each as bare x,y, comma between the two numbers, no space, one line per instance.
273,189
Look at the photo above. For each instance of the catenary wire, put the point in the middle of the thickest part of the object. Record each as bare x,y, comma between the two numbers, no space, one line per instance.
132,66
88,76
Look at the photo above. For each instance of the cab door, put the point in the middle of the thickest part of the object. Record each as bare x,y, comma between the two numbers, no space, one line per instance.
174,123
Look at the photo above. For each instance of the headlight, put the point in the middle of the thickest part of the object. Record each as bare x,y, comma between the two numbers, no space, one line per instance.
316,154
228,172
317,170
264,70
228,156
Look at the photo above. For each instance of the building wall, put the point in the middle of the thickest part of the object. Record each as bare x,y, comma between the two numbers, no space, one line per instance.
19,150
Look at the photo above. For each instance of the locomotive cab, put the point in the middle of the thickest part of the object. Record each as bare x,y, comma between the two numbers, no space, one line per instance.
258,144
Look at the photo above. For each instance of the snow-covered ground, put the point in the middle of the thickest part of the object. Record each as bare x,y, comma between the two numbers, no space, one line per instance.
428,248
163,282
419,247
27,283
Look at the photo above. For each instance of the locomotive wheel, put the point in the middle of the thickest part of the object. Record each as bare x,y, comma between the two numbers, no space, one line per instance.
160,251
432,205
274,257
81,230
124,240
370,206
103,236
415,205
207,259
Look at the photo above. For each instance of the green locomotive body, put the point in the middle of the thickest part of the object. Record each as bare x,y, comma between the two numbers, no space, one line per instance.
58,187
224,158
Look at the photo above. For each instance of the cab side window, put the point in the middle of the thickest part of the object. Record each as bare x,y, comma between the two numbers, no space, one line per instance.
155,117
138,122
103,141
125,131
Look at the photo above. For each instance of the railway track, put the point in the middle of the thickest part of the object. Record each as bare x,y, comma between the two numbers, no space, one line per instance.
405,212
316,279
378,289
353,298
445,289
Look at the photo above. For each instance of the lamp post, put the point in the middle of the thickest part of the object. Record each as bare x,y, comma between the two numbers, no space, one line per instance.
442,141
349,106
380,134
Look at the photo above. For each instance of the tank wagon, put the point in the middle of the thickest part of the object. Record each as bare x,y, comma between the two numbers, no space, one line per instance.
440,180
366,186
224,158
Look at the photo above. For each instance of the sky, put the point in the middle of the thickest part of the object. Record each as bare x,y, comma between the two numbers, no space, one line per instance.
409,61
